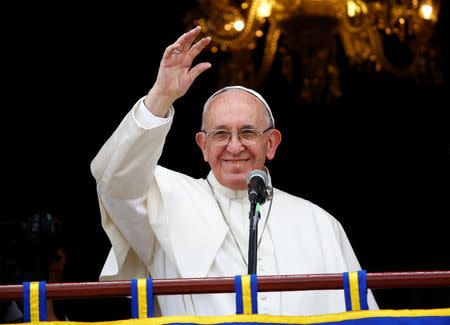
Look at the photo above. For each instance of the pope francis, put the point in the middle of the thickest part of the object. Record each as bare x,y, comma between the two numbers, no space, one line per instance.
164,224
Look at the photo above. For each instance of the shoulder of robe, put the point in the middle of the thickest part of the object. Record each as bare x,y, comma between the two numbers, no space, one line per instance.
172,181
301,207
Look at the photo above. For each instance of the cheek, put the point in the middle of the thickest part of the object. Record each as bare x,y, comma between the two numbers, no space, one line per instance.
213,154
259,154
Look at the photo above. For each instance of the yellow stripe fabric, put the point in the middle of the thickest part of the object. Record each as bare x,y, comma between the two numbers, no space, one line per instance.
34,301
246,294
354,290
295,320
269,319
142,297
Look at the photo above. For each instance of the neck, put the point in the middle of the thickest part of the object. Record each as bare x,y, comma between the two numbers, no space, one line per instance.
224,190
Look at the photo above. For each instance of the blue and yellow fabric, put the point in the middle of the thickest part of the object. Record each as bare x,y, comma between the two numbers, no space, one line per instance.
246,289
355,290
246,308
142,298
34,302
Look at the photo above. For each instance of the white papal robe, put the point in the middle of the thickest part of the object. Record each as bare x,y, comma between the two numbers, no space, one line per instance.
164,224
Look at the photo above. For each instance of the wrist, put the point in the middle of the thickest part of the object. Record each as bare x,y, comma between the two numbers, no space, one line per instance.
157,102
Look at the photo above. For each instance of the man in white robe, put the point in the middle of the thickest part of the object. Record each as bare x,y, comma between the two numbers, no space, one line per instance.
164,224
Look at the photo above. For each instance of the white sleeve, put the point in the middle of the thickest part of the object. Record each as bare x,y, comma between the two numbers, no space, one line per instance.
125,164
124,171
146,119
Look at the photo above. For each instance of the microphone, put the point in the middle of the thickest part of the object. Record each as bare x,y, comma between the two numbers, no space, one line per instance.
256,182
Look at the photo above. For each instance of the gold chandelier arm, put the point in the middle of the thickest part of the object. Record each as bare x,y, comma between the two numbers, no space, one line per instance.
377,44
243,35
347,43
270,50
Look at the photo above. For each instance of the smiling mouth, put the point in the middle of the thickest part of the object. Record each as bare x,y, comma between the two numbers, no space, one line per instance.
237,162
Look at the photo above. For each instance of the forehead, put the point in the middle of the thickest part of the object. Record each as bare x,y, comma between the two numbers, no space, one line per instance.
235,108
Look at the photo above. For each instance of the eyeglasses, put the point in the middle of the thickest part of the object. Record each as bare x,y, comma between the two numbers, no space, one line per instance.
247,137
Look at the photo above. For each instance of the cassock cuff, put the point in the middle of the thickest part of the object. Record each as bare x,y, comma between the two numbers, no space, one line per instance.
145,119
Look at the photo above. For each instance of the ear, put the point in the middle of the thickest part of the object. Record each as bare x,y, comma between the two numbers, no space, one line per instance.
201,142
274,142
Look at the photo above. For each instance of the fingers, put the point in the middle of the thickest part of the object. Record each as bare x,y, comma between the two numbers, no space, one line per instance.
198,47
197,70
176,66
184,44
170,50
188,38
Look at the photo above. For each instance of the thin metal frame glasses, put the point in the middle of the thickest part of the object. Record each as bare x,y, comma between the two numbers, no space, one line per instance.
248,137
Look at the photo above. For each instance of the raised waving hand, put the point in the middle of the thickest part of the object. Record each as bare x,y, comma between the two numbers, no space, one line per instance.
176,74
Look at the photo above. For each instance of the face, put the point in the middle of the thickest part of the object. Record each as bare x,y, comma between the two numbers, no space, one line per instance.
235,110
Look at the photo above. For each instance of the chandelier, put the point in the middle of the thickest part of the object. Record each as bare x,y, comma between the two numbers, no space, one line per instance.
307,36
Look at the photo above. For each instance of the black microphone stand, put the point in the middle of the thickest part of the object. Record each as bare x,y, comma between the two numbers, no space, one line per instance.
253,237
256,181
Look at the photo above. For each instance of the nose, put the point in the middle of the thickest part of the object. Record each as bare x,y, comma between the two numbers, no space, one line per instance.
235,146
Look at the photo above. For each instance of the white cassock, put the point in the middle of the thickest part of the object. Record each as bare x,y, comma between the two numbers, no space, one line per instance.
163,224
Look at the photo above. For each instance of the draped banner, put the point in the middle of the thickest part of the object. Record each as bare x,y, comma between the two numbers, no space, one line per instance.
142,298
355,290
246,289
34,301
142,308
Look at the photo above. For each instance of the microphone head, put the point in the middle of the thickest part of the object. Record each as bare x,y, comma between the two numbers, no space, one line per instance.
257,173
256,182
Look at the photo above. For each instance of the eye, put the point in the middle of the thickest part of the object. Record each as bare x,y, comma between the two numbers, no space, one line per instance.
249,133
220,132
218,135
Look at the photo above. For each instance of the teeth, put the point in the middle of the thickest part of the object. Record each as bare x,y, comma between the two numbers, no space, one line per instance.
237,161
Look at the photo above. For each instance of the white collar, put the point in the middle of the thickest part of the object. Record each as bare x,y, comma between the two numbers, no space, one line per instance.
225,191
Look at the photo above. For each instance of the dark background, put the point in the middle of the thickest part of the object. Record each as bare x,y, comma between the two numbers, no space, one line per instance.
377,159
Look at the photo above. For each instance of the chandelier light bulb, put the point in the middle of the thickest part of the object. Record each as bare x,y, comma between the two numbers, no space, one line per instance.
426,11
351,9
264,9
238,25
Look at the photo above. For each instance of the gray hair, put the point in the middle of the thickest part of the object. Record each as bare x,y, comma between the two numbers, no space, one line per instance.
269,117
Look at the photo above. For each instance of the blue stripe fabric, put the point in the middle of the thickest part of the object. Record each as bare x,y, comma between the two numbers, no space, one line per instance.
150,306
42,301
254,292
26,302
348,299
362,285
134,299
238,291
362,290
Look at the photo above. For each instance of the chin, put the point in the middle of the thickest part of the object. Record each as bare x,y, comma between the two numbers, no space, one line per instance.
235,177
236,183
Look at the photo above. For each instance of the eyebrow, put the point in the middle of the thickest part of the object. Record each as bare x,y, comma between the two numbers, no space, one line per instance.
223,126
